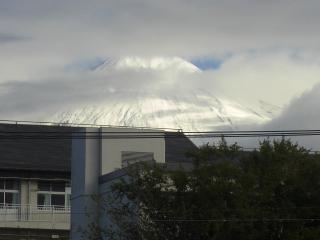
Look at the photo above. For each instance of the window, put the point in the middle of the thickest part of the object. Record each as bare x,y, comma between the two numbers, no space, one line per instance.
9,192
55,194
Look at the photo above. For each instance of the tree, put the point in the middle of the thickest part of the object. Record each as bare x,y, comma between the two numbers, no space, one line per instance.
270,193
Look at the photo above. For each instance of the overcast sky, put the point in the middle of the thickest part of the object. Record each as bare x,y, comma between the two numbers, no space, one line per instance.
247,49
37,36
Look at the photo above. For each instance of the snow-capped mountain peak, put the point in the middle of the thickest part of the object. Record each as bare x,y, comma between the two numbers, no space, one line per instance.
192,109
154,64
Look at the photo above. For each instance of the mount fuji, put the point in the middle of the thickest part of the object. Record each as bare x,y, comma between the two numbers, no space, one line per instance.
195,110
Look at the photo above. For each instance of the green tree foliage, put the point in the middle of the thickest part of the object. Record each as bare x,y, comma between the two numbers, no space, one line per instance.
270,193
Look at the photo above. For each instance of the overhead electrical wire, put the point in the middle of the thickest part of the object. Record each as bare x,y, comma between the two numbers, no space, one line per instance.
152,134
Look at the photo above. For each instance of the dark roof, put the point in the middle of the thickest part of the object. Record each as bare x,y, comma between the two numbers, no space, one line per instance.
35,174
177,145
35,154
113,175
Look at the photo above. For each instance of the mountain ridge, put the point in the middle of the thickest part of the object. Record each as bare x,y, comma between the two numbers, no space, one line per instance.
195,110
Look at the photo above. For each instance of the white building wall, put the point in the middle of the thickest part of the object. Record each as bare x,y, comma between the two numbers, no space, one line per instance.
111,148
95,157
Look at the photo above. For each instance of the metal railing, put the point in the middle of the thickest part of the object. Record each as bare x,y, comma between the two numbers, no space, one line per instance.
17,213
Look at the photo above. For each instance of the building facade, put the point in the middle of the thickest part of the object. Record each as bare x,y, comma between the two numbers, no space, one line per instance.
35,186
49,173
98,156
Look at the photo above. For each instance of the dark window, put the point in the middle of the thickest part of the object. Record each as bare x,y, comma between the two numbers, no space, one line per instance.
44,199
44,186
41,199
58,200
9,198
1,197
2,183
58,187
53,194
12,185
9,191
51,186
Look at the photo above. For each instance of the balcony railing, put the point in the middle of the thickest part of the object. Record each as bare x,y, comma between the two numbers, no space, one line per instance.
28,213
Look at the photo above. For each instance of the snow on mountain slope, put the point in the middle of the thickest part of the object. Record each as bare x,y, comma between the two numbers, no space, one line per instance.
196,110
155,63
201,113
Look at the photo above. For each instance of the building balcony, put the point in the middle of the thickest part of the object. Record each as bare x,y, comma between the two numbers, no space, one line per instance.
34,217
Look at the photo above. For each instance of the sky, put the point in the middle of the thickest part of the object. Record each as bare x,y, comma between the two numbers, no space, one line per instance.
246,50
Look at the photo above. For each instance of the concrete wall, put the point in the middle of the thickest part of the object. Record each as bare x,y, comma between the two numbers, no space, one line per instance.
97,156
85,171
111,148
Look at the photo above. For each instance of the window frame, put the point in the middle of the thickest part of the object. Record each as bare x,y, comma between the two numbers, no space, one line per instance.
5,192
50,192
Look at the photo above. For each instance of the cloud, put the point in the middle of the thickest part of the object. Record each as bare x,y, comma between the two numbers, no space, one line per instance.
11,38
68,30
273,76
246,79
62,32
302,113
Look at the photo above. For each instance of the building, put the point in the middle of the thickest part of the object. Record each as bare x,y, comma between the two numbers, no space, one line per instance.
34,182
99,154
35,172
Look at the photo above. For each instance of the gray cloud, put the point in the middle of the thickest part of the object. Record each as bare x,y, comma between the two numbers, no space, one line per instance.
9,38
302,113
72,30
178,27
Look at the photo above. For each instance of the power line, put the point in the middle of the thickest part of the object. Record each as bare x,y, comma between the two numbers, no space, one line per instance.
261,219
153,134
136,131
42,236
80,211
241,220
74,125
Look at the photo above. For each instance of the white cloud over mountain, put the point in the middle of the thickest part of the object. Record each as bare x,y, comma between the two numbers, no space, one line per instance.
245,90
302,111
269,54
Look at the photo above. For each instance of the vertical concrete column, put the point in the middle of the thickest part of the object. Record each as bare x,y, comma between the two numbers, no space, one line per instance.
24,200
24,192
85,171
33,193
